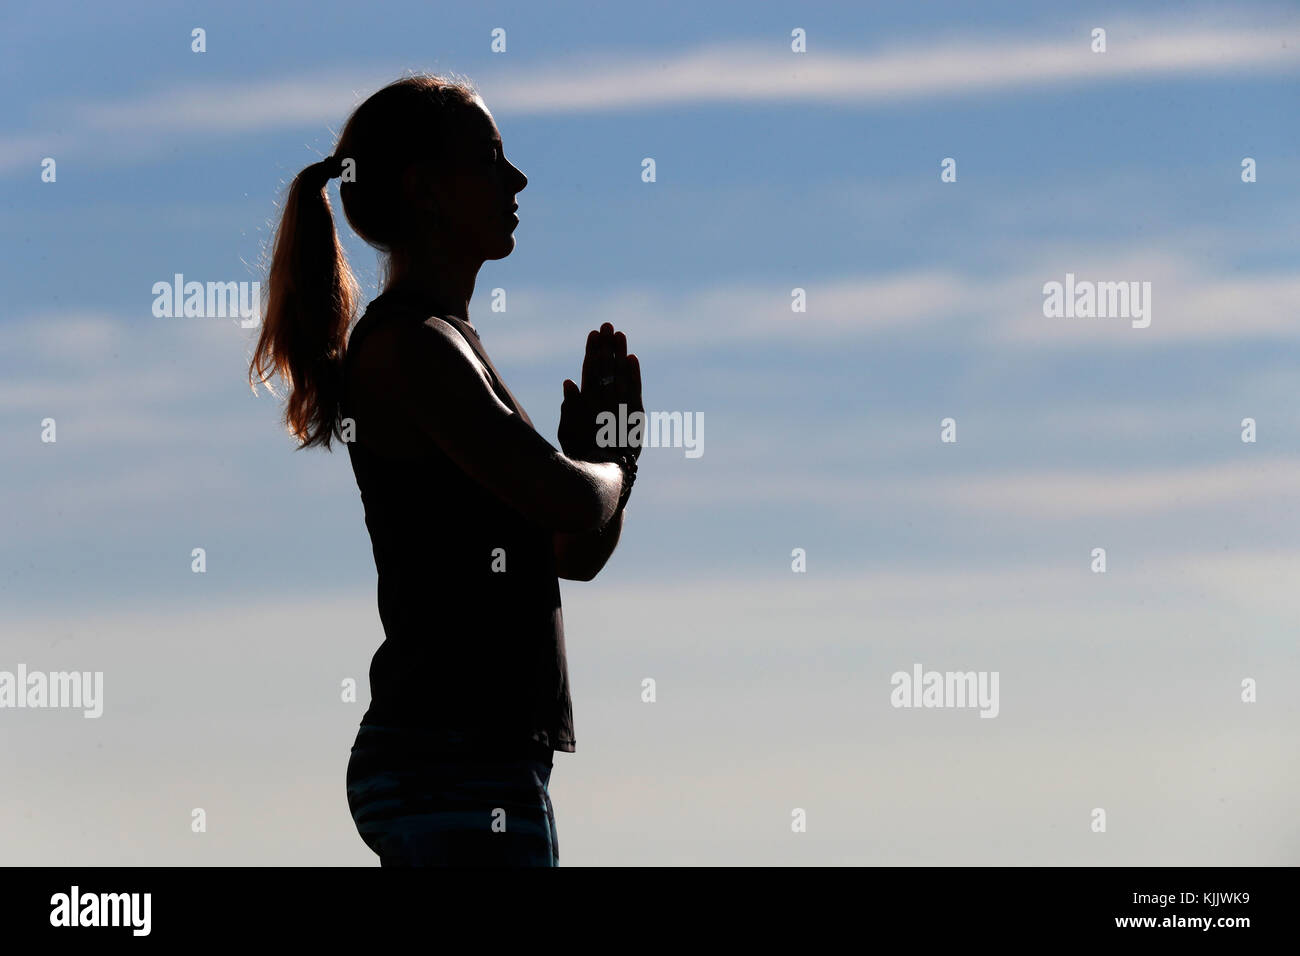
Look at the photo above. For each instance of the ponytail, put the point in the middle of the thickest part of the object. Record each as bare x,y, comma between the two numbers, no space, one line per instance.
312,297
312,294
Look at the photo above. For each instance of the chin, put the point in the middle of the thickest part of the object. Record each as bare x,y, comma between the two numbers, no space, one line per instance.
503,249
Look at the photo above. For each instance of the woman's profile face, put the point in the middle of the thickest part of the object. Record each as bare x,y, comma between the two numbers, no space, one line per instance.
475,194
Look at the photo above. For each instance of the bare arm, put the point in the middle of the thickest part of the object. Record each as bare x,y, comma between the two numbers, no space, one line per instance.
440,380
580,557
610,378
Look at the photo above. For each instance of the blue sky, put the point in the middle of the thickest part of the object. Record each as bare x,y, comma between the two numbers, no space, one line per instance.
775,170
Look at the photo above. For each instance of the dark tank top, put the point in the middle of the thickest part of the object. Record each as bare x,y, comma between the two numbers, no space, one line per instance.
473,655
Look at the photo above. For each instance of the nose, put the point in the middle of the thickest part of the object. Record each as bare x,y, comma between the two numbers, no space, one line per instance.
517,179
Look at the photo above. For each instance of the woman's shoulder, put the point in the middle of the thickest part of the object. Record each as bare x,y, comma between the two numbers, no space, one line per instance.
399,324
413,355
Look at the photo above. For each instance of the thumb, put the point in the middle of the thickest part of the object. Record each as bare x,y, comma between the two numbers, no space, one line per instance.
571,389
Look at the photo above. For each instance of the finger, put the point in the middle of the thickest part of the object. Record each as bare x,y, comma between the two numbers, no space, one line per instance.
624,378
632,375
590,360
608,365
599,362
633,366
620,347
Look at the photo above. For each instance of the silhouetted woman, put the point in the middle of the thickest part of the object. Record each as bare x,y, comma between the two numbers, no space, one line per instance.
472,514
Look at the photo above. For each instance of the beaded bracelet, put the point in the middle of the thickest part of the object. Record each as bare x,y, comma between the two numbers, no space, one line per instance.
627,463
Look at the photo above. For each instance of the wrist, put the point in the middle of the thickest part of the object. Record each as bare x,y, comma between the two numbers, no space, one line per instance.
627,466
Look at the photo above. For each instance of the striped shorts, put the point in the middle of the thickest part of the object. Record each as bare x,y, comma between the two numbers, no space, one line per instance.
417,800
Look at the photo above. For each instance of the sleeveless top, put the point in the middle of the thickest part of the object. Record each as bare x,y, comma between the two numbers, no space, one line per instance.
473,655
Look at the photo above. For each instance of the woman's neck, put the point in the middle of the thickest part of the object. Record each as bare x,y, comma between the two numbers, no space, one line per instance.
446,286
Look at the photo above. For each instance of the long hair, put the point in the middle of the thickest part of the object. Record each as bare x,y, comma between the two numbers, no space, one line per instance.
312,294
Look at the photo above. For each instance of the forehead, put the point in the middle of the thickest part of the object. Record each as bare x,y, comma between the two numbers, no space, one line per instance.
480,124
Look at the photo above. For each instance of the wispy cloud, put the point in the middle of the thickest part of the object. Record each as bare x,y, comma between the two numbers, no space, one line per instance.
727,314
999,308
749,74
1023,493
735,73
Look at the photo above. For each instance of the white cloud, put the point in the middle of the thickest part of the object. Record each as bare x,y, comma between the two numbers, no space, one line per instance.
78,338
543,323
1190,299
1025,494
730,74
1191,302
1135,491
239,107
710,75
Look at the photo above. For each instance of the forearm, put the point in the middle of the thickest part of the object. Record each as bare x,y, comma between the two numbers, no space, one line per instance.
580,556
